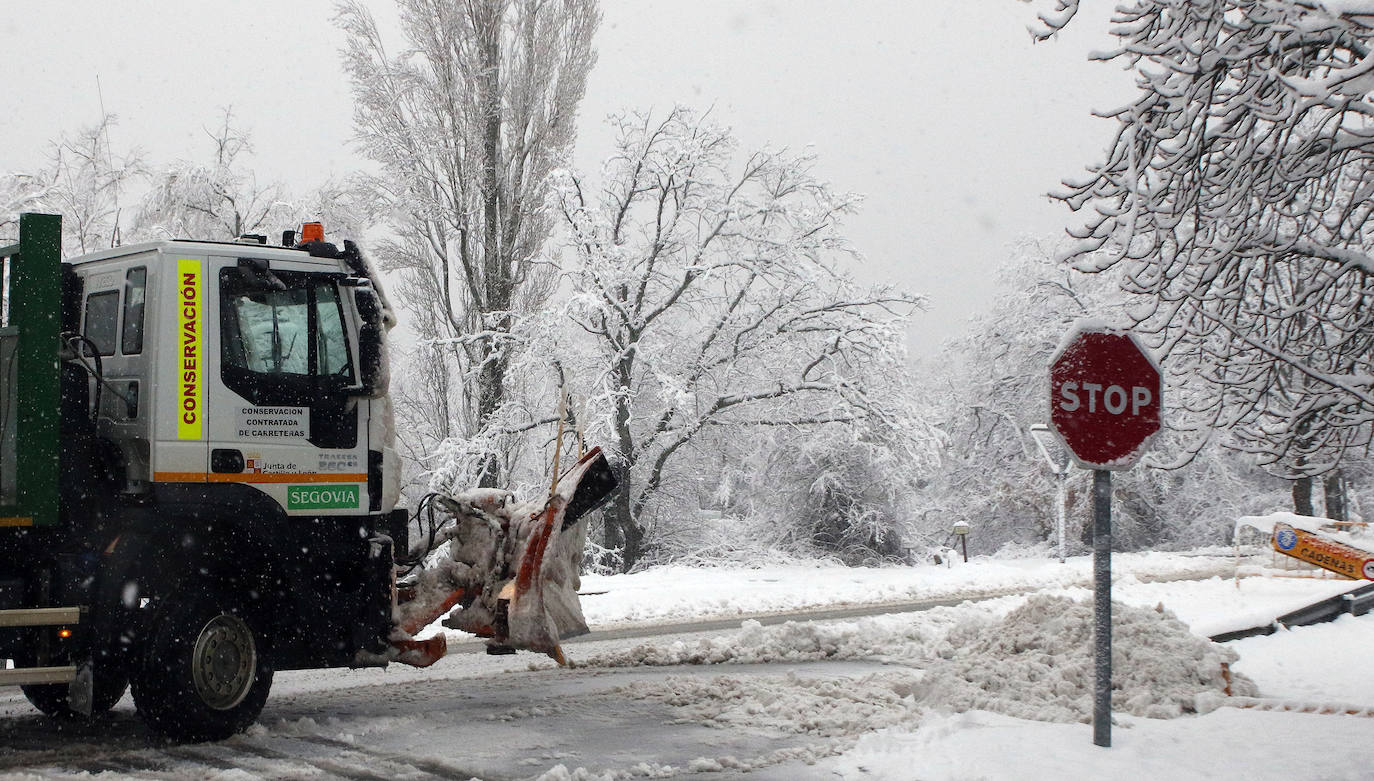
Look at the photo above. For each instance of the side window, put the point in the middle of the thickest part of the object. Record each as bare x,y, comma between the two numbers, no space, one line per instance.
135,288
332,358
102,320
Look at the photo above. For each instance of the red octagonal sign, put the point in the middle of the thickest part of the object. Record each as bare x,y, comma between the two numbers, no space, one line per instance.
1105,398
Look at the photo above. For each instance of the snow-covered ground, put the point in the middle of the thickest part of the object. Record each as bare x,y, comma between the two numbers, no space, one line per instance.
915,695
668,594
1312,668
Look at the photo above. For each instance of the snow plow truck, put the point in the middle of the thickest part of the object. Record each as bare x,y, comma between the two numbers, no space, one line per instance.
198,486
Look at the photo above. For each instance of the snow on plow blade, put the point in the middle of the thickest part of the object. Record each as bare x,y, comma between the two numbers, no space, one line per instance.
512,572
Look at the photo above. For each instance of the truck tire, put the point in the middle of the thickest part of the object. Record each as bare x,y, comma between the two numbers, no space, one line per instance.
204,672
51,698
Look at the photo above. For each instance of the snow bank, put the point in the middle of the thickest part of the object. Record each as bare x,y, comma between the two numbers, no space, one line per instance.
1029,657
1224,744
675,593
886,637
1037,663
1320,663
1210,607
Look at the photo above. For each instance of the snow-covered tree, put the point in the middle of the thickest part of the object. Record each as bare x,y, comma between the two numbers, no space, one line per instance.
467,122
713,293
87,183
1234,203
19,193
989,385
218,199
847,489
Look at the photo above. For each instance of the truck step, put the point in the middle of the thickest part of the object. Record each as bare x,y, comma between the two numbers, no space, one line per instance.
40,616
27,675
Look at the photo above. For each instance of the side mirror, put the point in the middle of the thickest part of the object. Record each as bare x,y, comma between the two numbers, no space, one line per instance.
373,376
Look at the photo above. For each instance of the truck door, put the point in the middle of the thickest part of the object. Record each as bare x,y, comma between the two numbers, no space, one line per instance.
113,326
281,415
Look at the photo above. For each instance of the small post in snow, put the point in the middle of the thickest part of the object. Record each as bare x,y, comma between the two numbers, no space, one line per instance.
1106,400
961,531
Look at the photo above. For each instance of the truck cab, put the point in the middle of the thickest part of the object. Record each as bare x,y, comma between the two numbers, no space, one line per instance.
238,365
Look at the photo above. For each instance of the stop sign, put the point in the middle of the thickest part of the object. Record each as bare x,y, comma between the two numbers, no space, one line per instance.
1105,398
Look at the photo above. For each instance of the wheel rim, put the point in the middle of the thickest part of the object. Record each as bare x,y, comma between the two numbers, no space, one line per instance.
223,662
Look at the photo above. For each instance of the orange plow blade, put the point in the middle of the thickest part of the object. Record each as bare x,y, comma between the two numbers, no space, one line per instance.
512,572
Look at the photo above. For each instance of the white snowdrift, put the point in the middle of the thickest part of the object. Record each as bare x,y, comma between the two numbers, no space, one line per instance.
1034,662
886,637
1224,744
1037,663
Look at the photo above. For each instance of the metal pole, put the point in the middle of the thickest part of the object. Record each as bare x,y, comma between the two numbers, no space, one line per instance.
1102,607
1061,479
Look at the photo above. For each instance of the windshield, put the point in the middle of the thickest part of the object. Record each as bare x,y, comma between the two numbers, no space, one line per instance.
278,342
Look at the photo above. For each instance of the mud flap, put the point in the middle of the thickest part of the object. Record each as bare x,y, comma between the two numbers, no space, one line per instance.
80,692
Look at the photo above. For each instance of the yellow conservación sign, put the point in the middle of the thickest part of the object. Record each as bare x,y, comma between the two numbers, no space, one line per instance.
190,344
1338,557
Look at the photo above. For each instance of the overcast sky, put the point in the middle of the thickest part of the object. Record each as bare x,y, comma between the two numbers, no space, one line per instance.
943,114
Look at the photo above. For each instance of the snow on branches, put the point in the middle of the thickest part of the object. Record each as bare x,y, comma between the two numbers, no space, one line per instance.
219,199
87,181
713,297
467,124
19,193
1234,203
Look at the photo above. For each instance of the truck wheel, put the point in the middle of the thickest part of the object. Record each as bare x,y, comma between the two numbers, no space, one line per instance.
51,698
204,673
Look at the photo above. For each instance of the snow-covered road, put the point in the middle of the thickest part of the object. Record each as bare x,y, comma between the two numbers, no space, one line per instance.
822,699
490,718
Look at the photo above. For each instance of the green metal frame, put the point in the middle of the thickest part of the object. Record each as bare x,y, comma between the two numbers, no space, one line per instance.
35,309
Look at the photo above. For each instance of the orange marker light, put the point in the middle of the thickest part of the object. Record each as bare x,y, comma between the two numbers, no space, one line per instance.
312,231
64,633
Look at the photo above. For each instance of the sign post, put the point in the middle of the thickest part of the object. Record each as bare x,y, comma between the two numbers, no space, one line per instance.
961,529
1105,404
